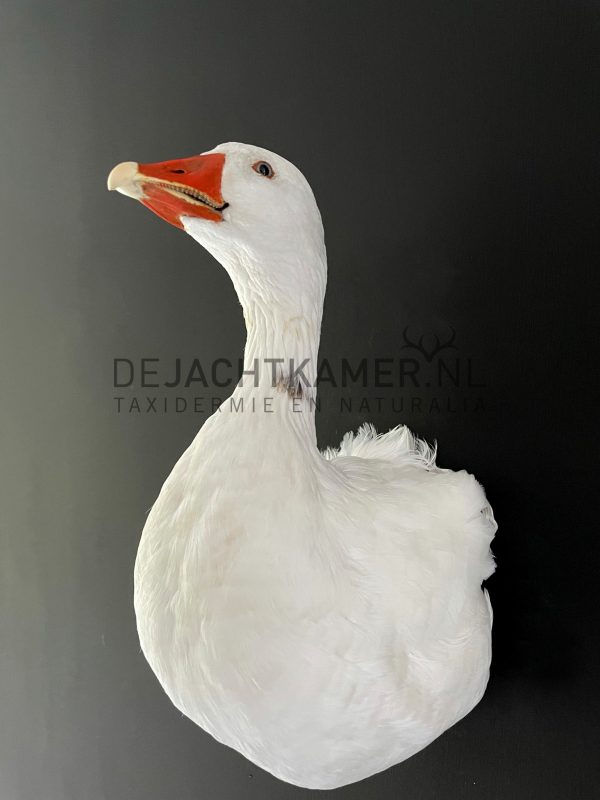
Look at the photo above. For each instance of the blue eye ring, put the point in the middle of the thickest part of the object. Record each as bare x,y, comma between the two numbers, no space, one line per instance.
263,168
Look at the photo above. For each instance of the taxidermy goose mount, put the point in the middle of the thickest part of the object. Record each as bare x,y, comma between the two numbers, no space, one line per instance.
321,613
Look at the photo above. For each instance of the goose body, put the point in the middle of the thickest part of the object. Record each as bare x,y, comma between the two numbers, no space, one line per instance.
321,613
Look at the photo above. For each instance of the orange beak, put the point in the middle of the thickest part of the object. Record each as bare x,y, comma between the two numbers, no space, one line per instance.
186,187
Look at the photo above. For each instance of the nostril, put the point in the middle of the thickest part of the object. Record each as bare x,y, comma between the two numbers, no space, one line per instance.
177,171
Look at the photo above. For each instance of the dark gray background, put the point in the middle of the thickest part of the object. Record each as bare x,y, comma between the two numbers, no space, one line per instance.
452,150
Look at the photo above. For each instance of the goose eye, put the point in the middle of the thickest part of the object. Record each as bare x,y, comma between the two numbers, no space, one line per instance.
263,169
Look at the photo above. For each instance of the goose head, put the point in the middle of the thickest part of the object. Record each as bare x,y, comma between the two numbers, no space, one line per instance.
253,211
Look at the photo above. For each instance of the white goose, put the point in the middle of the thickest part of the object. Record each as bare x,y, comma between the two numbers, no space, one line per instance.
320,613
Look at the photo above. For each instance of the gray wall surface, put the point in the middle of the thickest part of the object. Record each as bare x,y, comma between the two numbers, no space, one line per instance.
451,149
